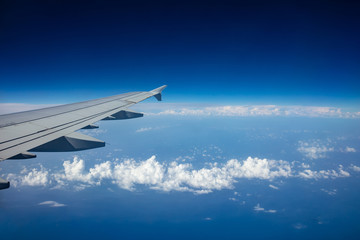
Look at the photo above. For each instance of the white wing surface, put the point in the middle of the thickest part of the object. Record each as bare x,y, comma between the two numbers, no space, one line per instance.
53,129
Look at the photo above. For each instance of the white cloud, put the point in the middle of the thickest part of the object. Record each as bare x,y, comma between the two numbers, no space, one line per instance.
258,208
52,204
173,176
314,150
144,129
182,177
271,211
75,171
128,173
273,187
258,168
330,192
355,168
93,132
304,165
34,177
309,174
350,149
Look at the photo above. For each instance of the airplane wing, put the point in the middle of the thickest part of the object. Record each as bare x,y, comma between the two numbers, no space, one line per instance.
53,129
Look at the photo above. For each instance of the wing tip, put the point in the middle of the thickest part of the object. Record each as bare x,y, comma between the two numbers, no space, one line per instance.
157,92
159,89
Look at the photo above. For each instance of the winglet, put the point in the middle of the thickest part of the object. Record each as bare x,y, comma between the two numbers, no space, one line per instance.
157,92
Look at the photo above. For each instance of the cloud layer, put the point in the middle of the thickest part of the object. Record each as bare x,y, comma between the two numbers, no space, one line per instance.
174,176
257,110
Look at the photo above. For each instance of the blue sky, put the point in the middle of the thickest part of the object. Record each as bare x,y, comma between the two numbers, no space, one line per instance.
231,52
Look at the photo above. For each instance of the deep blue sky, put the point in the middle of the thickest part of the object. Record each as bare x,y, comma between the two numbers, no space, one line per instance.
268,52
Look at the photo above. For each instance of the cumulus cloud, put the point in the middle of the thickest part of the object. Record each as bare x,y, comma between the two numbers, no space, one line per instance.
128,173
34,177
314,150
355,168
75,171
52,204
174,176
309,174
182,177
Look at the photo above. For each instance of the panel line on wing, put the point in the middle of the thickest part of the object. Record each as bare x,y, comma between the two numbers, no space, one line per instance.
68,111
72,123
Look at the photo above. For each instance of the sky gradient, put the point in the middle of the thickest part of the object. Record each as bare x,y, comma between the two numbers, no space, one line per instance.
257,136
233,52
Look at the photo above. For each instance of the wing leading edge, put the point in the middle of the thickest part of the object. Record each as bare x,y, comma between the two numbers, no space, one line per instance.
53,129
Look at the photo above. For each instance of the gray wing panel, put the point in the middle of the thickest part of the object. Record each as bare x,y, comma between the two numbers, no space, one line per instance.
15,118
20,132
